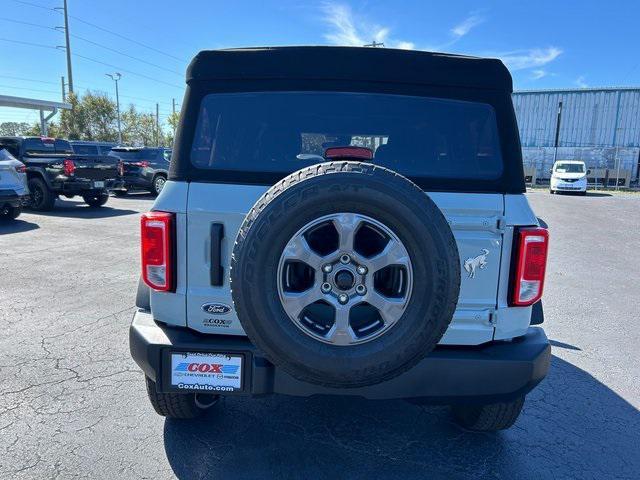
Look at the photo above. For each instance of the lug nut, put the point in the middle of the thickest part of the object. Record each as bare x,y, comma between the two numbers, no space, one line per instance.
361,289
343,298
325,287
345,259
327,268
362,270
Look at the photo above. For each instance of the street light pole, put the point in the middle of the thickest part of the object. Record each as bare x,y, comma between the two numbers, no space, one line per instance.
115,77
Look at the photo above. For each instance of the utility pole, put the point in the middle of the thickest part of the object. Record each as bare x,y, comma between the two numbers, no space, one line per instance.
557,139
157,125
173,104
64,93
115,77
68,46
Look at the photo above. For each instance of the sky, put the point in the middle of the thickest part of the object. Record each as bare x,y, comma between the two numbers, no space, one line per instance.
545,44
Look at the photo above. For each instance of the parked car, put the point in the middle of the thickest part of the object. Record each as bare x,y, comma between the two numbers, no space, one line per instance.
53,169
87,148
145,168
14,191
569,176
356,227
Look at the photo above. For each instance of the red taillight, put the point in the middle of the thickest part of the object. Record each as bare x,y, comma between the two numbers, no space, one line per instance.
356,153
532,245
69,167
142,164
157,239
21,168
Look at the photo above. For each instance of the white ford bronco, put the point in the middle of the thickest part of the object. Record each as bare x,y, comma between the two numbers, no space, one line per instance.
344,221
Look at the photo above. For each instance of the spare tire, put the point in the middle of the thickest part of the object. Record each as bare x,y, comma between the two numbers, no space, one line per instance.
345,274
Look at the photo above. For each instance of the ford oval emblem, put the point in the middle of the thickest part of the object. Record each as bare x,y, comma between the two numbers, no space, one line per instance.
216,308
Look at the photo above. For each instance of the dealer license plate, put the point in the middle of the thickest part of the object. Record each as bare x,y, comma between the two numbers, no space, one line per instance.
213,372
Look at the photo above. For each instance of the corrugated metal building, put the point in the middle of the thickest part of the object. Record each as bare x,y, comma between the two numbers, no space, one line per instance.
598,125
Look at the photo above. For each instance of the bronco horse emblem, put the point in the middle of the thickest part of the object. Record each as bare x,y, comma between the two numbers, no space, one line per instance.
471,264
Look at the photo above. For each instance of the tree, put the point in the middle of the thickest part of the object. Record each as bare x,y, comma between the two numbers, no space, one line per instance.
92,117
14,129
138,128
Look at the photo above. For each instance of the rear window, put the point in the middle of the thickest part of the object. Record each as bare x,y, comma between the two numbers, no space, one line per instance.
145,154
281,132
46,145
85,149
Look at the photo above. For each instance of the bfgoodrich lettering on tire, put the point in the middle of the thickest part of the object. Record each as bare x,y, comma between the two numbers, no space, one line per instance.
345,274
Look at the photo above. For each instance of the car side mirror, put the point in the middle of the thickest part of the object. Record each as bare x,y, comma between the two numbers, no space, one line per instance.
588,172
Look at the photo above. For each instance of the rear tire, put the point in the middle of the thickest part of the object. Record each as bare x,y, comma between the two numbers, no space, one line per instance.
179,405
10,213
158,184
96,200
42,198
364,190
488,418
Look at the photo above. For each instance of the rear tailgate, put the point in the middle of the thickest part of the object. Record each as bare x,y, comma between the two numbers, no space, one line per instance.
95,167
475,220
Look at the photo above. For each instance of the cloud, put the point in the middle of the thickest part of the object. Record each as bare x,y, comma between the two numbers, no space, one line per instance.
581,82
532,58
464,27
345,29
538,74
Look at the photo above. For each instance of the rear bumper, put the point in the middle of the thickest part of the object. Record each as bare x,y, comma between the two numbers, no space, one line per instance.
80,186
11,198
499,371
136,181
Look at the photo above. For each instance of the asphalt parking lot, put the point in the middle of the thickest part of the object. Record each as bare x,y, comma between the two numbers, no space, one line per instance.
72,402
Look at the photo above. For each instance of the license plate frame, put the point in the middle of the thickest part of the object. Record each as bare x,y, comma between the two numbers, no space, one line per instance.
208,379
98,184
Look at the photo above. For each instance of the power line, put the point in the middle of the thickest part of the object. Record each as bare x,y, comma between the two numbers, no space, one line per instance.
28,80
127,55
104,30
128,71
28,43
28,23
126,38
33,5
29,89
95,61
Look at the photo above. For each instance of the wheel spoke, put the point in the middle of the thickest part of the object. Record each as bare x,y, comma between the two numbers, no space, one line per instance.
341,332
390,309
347,225
392,254
295,302
298,249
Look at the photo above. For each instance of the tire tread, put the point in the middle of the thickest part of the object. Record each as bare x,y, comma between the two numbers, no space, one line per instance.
172,405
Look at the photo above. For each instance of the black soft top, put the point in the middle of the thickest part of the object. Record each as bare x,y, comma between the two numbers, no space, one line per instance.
351,64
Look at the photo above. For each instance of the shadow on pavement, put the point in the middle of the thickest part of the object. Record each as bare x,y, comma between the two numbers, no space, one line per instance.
135,195
598,194
555,343
16,226
64,208
573,426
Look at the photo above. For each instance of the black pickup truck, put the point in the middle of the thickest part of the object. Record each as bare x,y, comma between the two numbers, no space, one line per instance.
53,169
